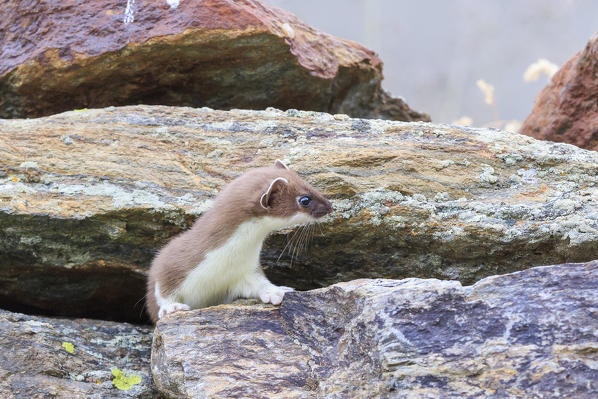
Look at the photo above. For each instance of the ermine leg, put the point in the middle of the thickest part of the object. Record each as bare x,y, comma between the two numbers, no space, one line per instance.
274,294
256,285
167,305
171,308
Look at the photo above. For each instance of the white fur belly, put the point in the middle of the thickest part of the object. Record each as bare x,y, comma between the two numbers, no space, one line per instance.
209,283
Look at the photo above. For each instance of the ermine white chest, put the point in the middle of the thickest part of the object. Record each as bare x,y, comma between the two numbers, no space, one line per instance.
222,268
211,280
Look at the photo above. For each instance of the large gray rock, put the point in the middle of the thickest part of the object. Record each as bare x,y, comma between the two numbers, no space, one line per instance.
530,334
34,363
86,198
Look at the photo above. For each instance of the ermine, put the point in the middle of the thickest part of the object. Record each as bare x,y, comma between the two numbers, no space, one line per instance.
217,259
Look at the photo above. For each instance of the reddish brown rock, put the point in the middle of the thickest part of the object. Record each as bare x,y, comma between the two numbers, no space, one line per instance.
567,109
59,56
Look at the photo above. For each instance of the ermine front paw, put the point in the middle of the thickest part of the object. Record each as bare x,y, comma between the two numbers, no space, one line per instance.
274,294
171,308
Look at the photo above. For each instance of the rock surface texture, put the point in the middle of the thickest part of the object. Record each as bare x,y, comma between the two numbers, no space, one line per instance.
86,198
218,53
35,362
567,109
530,334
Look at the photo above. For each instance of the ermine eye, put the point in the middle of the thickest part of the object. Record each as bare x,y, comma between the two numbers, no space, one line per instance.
304,201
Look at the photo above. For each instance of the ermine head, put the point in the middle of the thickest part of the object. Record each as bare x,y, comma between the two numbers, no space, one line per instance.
288,195
275,191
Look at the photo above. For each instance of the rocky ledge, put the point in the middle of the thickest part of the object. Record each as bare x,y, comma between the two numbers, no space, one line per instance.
87,197
528,334
219,53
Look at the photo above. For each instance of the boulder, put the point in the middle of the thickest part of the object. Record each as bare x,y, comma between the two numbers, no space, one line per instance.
86,198
527,334
218,53
58,358
567,110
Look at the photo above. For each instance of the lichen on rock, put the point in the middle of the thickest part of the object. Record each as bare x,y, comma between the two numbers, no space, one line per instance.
82,226
44,357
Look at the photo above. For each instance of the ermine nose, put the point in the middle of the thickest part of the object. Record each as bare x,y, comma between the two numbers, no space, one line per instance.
329,207
321,209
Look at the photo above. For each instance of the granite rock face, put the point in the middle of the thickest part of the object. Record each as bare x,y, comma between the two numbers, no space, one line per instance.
35,364
528,334
86,198
567,110
218,53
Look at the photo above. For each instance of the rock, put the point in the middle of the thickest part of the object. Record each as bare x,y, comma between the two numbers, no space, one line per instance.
527,334
60,358
566,110
86,198
243,352
218,53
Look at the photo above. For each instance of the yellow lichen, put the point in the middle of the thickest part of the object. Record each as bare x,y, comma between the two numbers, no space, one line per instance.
122,382
70,348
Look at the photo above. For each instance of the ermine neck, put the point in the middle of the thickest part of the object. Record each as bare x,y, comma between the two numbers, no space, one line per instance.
255,231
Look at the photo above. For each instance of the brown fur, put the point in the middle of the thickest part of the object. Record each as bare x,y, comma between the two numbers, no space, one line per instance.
238,202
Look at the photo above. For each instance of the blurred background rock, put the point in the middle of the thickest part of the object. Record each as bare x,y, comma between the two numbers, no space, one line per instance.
435,51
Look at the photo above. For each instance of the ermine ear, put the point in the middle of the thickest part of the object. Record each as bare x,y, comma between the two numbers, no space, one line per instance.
278,163
276,185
